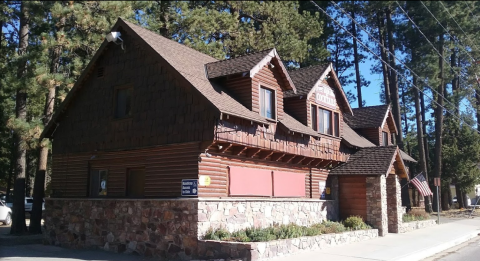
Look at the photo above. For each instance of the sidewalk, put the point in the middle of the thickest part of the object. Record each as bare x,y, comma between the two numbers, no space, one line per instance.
411,246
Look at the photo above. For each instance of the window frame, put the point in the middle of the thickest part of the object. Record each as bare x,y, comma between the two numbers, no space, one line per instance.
90,183
115,101
384,138
274,101
316,112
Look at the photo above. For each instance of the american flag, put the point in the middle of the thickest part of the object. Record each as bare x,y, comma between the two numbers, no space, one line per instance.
421,184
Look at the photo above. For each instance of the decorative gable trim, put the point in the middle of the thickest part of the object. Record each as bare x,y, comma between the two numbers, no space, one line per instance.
267,60
389,113
339,86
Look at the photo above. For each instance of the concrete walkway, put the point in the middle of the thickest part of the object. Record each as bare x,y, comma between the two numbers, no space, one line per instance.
411,246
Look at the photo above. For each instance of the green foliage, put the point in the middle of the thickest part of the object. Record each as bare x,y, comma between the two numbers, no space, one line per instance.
277,232
355,223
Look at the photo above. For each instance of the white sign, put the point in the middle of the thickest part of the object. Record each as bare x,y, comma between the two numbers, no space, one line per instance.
321,189
324,95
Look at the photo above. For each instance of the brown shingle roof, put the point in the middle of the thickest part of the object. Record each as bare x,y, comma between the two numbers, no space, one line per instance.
191,65
406,157
353,139
293,125
239,64
305,78
367,117
368,161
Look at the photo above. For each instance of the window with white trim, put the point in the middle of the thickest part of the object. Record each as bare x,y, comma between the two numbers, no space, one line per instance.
267,103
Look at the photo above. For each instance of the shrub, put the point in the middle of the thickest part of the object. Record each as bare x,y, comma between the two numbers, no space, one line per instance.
415,215
355,223
276,231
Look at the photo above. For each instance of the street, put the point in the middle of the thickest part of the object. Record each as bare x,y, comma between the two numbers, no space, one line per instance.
468,251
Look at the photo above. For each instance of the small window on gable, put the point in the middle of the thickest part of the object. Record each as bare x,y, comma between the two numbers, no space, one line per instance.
123,102
136,183
98,183
384,138
393,138
267,103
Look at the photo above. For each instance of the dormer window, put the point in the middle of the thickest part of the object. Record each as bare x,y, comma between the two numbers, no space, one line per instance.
325,121
385,138
267,103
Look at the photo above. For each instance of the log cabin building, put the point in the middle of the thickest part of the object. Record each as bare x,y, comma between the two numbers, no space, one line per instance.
157,143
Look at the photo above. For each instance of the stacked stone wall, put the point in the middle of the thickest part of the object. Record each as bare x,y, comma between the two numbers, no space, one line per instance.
237,214
162,228
265,250
377,203
394,201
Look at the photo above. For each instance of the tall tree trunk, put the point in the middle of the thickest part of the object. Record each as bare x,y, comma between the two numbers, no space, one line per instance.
458,192
422,162
394,81
39,188
439,126
11,169
18,215
355,59
383,55
425,136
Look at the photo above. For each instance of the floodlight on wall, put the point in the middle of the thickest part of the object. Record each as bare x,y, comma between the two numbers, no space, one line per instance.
115,37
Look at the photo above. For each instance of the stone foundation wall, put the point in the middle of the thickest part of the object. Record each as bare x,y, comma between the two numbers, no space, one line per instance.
162,228
266,250
410,226
236,214
377,203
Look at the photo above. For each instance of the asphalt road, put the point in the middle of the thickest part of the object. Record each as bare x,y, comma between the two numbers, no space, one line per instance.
468,251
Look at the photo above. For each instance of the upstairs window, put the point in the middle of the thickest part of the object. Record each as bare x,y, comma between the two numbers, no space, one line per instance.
123,102
267,103
384,138
325,121
392,138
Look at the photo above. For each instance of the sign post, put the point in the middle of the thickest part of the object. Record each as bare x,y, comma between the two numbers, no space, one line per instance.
189,187
436,182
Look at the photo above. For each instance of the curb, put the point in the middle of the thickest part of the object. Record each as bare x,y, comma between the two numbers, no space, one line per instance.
419,255
21,240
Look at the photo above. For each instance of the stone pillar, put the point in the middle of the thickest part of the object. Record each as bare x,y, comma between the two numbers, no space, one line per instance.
394,204
377,203
335,197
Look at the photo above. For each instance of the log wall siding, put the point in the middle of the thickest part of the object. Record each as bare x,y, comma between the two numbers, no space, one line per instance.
242,132
216,165
165,109
372,134
296,107
241,88
272,79
165,167
352,196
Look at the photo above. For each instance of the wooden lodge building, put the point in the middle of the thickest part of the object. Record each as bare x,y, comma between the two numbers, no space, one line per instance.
157,142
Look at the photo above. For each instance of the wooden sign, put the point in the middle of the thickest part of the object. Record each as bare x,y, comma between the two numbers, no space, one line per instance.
436,182
325,96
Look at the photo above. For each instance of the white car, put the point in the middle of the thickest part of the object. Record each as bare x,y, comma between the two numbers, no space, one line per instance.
28,204
5,214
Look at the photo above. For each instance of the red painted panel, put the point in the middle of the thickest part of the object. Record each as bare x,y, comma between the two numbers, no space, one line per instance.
250,182
288,184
